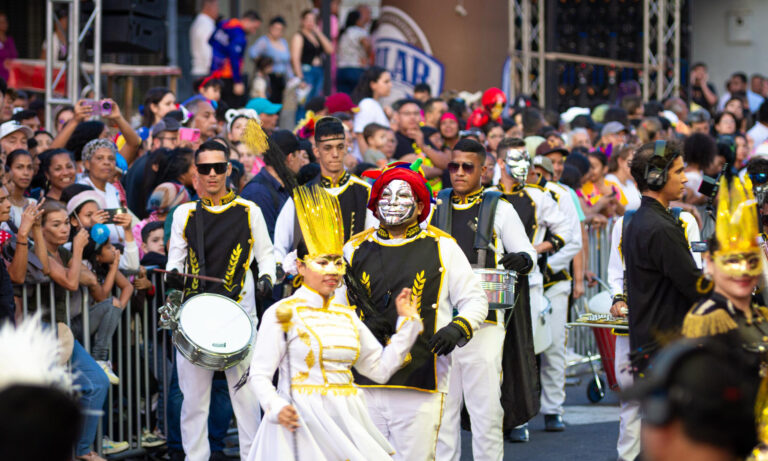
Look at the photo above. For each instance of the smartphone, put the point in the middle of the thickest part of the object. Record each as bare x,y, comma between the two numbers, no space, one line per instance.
189,134
112,212
101,108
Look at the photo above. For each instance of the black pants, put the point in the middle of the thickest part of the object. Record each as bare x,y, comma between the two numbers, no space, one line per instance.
229,97
277,86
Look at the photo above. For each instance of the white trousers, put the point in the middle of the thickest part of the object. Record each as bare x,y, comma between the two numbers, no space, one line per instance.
628,444
409,419
195,383
553,357
476,381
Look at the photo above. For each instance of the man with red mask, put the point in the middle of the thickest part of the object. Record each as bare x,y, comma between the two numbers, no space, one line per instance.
407,409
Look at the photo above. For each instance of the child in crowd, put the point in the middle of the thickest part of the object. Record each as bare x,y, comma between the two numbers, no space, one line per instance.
260,86
153,244
376,139
210,89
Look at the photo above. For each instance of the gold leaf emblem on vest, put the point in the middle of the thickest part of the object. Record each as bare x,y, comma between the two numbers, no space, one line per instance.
194,268
417,289
310,359
300,377
229,276
304,337
366,281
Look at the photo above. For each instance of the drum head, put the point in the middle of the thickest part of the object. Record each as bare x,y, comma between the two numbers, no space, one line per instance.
600,303
215,323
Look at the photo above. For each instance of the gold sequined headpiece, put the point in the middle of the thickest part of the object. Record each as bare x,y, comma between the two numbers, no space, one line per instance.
319,216
736,230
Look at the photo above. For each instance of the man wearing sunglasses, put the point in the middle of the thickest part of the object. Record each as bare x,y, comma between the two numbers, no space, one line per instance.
549,230
491,235
351,191
221,235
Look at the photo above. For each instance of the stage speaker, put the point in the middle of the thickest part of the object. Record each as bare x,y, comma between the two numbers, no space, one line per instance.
129,33
151,8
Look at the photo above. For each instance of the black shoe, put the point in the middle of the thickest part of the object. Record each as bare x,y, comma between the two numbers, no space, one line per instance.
554,423
218,456
518,435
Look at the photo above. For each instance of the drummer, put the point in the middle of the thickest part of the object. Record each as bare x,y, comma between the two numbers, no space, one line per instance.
221,235
478,364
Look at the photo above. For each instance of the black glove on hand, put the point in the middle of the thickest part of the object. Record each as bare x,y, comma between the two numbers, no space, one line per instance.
450,336
279,273
264,286
518,262
174,281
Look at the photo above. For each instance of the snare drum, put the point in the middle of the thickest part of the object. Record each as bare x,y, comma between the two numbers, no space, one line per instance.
499,286
213,332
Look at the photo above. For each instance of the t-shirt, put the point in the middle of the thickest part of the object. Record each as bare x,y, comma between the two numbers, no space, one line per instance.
630,190
697,96
351,52
591,195
370,112
404,145
373,155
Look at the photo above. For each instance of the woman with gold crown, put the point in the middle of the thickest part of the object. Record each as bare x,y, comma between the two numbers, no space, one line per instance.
733,267
316,413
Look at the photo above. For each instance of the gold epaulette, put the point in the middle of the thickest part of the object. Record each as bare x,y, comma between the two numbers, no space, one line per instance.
704,321
358,238
438,232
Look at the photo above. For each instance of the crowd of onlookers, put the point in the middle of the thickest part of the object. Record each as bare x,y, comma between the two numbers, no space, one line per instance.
87,201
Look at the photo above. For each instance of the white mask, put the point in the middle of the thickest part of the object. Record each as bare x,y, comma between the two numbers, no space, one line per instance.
397,203
518,162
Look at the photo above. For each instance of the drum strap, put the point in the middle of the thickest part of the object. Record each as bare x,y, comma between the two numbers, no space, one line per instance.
199,229
485,218
443,211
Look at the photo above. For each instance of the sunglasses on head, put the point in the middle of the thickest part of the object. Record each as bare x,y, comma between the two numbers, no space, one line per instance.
468,168
205,168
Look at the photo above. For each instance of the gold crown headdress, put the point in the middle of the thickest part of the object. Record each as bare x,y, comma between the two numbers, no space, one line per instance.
736,229
319,216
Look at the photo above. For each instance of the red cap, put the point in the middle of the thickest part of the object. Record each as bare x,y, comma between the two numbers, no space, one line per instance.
492,96
401,170
449,115
340,102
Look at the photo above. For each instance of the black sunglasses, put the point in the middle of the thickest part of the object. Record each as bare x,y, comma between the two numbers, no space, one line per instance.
205,168
468,168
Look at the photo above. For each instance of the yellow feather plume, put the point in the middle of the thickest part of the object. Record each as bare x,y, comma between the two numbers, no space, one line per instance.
320,220
254,137
736,225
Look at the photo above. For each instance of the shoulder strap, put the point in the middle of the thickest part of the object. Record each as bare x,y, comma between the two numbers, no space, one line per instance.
485,217
444,210
199,229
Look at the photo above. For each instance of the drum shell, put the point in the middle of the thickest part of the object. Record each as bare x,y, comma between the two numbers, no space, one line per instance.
499,287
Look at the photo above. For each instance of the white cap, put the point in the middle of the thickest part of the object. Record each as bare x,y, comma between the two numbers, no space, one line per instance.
13,126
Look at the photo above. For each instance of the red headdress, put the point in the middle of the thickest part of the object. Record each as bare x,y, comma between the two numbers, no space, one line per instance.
408,172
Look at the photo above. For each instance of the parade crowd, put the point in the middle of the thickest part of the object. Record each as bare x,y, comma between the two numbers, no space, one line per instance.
353,230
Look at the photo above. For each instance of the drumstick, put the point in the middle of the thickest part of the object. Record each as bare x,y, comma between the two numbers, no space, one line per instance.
284,315
192,276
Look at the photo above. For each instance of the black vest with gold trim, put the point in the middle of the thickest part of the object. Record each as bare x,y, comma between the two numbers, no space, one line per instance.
353,201
385,269
525,207
228,243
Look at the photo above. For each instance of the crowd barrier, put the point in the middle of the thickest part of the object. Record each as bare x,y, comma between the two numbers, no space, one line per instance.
142,354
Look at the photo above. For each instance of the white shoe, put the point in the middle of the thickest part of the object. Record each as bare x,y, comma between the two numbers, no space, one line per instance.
110,447
107,367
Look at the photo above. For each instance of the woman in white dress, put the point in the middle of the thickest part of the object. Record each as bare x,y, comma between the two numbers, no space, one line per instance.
316,401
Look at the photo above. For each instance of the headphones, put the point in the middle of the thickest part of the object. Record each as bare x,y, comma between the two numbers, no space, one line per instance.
656,177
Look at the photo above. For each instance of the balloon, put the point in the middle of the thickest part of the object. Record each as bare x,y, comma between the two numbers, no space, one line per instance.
99,233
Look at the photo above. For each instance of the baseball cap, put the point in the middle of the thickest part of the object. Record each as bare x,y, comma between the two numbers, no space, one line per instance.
546,148
613,128
13,126
166,124
340,102
84,197
264,106
545,163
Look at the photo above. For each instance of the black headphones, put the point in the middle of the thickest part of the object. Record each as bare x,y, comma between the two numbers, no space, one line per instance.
656,177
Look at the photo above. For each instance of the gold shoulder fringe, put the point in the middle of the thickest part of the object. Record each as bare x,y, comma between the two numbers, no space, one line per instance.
358,238
713,323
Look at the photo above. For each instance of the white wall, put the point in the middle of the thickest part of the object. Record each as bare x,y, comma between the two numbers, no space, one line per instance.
711,44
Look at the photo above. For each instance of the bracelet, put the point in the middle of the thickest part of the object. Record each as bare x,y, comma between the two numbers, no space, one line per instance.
619,297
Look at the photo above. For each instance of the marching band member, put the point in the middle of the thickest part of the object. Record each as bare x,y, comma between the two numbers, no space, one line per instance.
316,398
351,191
407,409
476,218
548,229
220,235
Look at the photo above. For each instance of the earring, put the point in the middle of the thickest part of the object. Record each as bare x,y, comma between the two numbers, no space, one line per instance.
704,284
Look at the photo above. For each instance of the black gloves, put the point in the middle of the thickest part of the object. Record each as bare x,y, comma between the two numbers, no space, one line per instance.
456,333
264,286
518,262
174,281
279,273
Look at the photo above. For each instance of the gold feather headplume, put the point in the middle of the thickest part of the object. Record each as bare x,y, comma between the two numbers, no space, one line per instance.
736,228
320,220
254,137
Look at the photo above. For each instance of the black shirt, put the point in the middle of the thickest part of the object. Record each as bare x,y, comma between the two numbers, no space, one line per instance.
404,145
661,276
697,96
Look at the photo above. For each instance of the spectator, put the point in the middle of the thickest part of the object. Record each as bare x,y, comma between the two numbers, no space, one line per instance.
742,150
166,196
411,143
354,52
228,43
7,108
203,118
260,87
619,173
650,130
99,161
725,123
449,130
434,108
13,136
703,93
27,118
699,121
58,167
44,140
268,113
307,48
376,137
63,116
7,47
735,105
210,89
200,32
20,172
153,244
157,103
273,45
601,195
758,133
678,107
375,84
737,86
422,92
579,137
165,134
236,127
613,133
493,136
699,151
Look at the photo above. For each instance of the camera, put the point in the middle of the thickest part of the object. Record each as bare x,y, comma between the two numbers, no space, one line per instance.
101,108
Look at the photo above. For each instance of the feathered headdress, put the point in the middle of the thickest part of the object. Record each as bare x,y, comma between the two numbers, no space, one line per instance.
320,220
254,137
736,230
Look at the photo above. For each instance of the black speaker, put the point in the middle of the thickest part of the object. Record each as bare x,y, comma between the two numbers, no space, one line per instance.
129,33
150,8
